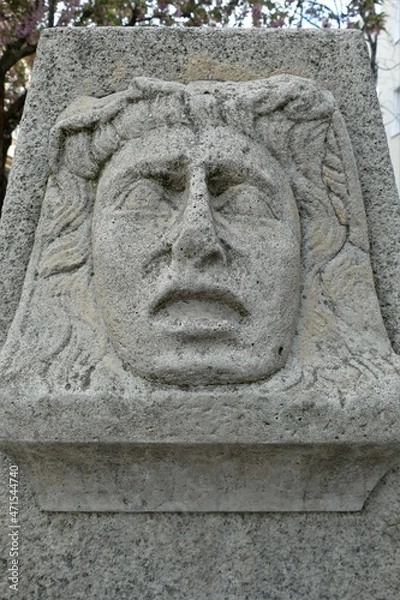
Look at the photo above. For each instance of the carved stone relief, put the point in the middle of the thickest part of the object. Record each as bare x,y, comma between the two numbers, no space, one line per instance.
198,236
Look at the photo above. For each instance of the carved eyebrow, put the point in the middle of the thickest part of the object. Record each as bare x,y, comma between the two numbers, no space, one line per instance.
236,173
158,165
239,172
170,169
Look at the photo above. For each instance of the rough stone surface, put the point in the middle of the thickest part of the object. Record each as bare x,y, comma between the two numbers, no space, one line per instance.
86,361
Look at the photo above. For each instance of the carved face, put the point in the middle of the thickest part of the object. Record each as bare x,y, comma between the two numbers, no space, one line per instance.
197,256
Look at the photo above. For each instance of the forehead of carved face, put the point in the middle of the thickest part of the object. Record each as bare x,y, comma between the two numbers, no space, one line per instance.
196,257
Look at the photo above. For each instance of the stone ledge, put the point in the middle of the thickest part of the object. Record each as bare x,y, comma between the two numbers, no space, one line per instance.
238,415
203,478
265,455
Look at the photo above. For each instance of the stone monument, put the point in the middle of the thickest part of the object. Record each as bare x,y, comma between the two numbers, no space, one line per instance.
198,328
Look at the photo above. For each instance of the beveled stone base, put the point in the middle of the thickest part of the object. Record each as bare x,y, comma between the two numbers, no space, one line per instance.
203,478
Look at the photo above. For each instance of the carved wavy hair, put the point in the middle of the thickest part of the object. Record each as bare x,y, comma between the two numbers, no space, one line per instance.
292,117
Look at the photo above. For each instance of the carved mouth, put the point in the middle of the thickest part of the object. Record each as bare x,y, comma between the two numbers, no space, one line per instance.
201,303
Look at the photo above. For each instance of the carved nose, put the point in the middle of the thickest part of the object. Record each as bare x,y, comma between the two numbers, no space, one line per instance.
197,240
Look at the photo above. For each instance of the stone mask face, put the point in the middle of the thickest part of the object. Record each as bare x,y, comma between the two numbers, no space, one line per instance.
196,251
169,244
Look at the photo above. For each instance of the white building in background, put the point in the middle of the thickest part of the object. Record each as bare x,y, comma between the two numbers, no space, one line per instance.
389,80
11,149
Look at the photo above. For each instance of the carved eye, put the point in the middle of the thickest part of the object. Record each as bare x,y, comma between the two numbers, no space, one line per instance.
234,194
146,197
174,181
244,200
219,183
221,180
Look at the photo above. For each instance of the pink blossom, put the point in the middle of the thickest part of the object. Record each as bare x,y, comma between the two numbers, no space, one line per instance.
28,26
277,23
326,24
256,12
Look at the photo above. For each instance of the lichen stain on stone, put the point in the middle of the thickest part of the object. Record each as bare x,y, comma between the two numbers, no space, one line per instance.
119,73
285,70
202,67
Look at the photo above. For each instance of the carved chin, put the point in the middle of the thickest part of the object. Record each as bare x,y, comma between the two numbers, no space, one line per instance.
196,369
200,351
